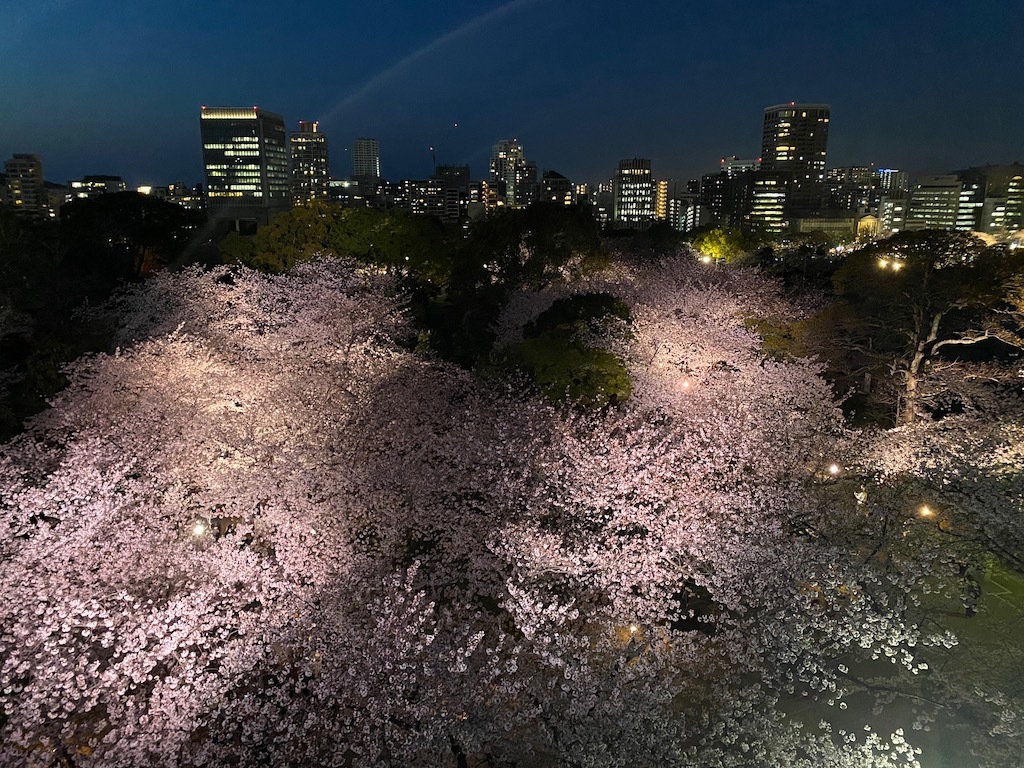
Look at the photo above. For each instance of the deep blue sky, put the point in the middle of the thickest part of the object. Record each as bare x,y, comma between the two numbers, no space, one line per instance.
115,86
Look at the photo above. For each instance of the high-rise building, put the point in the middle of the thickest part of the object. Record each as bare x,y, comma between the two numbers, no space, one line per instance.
727,198
1014,220
1002,189
685,213
311,175
366,164
971,203
455,190
935,203
634,194
483,199
23,188
892,182
794,141
767,206
661,197
246,161
851,187
514,177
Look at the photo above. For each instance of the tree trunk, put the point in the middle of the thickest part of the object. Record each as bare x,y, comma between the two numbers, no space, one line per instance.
910,411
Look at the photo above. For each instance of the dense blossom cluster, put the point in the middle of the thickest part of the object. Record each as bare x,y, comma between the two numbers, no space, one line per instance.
262,533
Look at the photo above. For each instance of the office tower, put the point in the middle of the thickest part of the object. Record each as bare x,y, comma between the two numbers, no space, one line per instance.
1015,203
767,201
23,188
311,175
970,203
366,164
1002,197
794,141
423,196
634,194
892,215
935,203
246,161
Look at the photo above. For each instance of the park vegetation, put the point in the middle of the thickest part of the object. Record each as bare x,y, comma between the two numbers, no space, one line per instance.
378,493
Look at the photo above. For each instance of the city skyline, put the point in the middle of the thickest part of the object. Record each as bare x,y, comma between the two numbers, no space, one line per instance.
581,85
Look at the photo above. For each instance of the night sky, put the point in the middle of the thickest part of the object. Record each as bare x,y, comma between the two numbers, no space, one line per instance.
115,86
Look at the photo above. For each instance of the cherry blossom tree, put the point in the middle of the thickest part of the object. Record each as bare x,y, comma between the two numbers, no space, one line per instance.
262,532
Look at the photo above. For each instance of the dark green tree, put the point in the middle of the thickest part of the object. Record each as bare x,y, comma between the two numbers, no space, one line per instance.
522,249
725,244
531,247
909,307
559,357
123,236
405,244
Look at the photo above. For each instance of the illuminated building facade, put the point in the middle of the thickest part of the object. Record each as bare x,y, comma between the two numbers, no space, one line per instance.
245,157
93,186
892,215
734,165
514,177
311,176
794,141
556,188
23,188
483,199
934,203
768,193
455,183
852,187
634,194
891,181
178,193
661,197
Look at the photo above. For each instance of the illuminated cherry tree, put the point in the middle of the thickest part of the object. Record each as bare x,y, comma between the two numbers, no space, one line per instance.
262,532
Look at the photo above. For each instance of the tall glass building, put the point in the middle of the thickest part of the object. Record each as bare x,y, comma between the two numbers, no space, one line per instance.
245,156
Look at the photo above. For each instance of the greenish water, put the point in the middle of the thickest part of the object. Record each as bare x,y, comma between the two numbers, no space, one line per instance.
988,660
